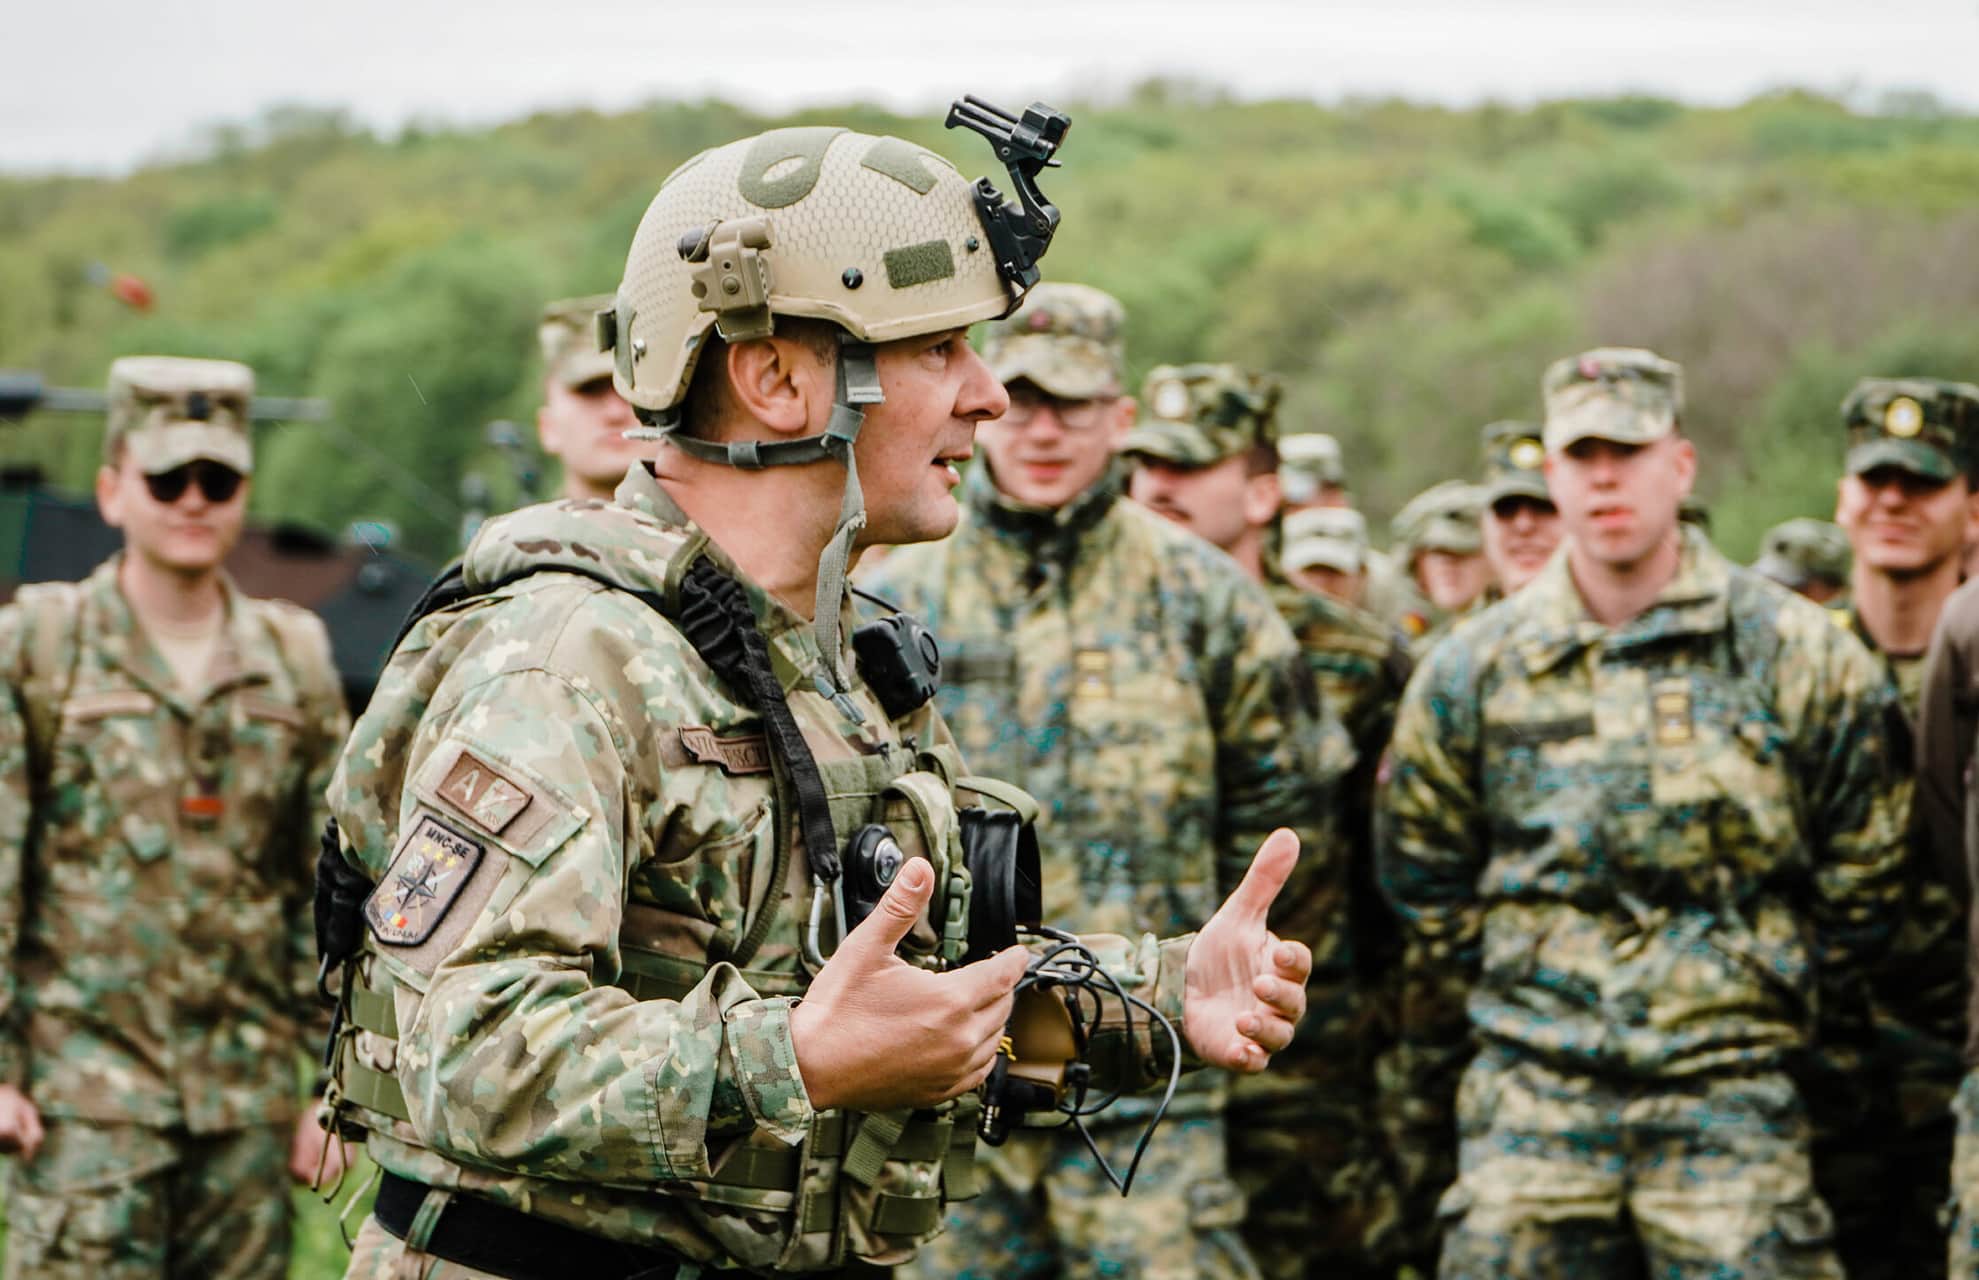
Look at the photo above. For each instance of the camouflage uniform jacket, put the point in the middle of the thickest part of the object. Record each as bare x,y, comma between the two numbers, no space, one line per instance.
1128,675
156,860
1639,851
585,779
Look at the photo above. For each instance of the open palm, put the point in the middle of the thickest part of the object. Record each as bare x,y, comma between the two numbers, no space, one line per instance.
1245,988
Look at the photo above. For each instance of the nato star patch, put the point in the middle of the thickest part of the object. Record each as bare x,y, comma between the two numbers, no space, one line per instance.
428,872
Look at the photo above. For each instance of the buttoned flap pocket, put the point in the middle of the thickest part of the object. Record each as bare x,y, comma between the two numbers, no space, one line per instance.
113,784
508,803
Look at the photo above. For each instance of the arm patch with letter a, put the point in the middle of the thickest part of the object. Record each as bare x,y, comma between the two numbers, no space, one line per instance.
429,870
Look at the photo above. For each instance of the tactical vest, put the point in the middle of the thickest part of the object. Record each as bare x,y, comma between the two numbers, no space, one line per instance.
860,1185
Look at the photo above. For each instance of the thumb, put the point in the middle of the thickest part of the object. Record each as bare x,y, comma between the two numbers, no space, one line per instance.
906,898
1253,896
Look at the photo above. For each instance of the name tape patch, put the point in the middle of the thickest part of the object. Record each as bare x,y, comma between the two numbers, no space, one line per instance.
428,872
731,755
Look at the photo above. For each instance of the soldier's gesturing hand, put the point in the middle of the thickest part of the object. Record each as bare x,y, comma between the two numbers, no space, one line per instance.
874,1033
20,1123
1245,988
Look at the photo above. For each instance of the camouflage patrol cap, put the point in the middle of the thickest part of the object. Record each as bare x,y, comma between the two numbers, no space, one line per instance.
1443,517
1923,425
1623,394
1334,537
1513,462
1193,415
1307,463
1797,552
168,411
568,335
1066,338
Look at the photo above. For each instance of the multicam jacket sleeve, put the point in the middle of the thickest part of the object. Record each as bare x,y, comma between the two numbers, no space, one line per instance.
16,813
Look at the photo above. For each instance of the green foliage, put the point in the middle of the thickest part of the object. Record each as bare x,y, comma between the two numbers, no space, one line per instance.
1408,269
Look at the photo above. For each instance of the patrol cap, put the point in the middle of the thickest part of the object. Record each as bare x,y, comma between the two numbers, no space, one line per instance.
1335,537
568,335
1797,552
1623,394
1193,415
1443,517
1513,460
1923,425
1066,338
1307,463
168,411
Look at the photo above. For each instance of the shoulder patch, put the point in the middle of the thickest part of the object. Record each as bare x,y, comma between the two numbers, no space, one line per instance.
483,793
430,868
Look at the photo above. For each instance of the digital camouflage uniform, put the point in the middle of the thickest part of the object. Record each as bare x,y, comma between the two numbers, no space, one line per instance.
1948,733
1128,675
1316,1173
1803,552
156,848
1304,1146
1309,463
1890,1177
1627,860
570,1040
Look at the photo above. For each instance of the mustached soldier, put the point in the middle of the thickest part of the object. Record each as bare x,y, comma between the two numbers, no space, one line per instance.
164,744
612,798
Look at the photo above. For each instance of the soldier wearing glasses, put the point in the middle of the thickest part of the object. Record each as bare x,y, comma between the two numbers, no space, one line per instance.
164,747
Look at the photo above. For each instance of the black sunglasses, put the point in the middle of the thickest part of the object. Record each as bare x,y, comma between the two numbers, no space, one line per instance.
216,483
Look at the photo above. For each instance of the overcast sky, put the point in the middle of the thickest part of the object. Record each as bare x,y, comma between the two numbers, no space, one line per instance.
105,86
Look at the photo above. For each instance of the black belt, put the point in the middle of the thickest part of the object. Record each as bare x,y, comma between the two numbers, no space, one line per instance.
482,1234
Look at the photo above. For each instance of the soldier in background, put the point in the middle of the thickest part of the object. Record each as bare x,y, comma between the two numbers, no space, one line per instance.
1808,556
1326,552
583,419
1439,547
1520,524
1908,506
164,747
1321,1201
1311,472
1128,675
1620,902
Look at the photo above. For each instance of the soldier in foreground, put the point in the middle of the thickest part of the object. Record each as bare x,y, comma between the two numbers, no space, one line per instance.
1806,556
1128,675
623,797
1640,820
1908,507
164,745
1302,1143
583,419
1520,524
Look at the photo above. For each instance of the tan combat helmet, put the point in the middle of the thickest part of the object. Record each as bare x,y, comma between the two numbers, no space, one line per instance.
169,410
879,236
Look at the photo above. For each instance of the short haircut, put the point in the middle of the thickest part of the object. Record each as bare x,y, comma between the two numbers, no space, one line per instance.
709,398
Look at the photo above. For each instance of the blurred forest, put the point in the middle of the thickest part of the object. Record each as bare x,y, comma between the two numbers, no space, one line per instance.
1408,269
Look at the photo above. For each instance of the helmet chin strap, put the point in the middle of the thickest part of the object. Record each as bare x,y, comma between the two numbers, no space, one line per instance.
858,385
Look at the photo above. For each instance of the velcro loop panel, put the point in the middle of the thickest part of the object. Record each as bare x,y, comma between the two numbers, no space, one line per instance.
374,1091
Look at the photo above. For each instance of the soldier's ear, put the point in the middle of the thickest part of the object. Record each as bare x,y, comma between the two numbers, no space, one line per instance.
774,381
110,495
1125,409
1262,497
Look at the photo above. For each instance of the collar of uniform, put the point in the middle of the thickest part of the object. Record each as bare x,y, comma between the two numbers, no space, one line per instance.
1558,625
1060,527
241,658
792,640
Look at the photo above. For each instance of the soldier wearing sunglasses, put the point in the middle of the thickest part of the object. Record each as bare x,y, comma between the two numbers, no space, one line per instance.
164,746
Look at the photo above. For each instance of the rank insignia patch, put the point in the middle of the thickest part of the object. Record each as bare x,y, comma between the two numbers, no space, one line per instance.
1670,703
427,874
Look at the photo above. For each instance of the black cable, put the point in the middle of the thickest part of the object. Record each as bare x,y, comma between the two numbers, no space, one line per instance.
1072,967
